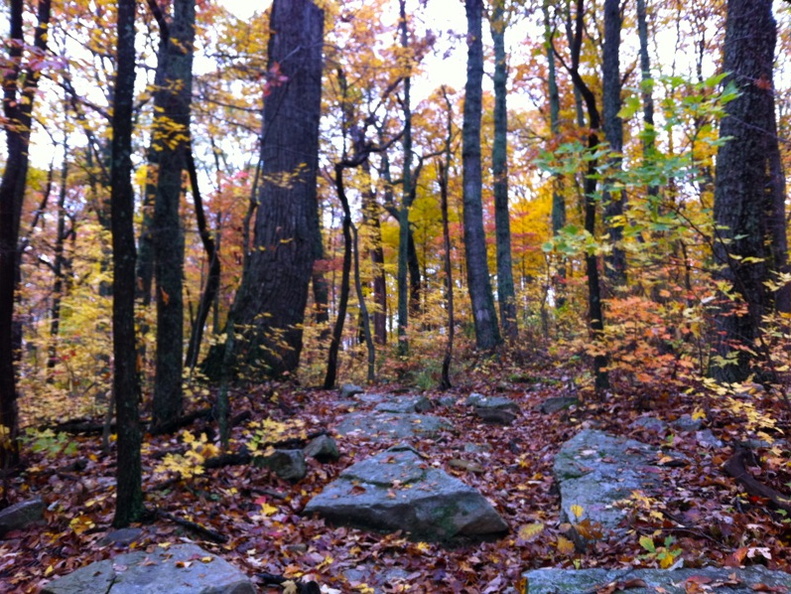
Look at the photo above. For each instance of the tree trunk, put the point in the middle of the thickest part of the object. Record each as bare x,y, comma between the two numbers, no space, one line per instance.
505,275
18,98
126,384
171,130
615,261
749,191
371,220
406,193
211,290
558,200
487,332
595,311
444,173
270,304
59,265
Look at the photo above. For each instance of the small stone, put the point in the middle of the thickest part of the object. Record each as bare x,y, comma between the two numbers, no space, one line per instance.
122,537
495,416
21,515
556,404
686,423
349,390
289,465
323,448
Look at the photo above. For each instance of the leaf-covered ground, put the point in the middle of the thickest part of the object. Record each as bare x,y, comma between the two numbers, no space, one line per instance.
703,517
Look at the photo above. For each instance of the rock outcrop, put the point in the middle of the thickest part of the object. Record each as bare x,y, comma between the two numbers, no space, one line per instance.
180,569
399,490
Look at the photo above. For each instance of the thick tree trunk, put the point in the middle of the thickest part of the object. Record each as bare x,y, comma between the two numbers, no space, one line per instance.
615,261
505,276
270,304
750,190
126,383
487,332
171,130
18,98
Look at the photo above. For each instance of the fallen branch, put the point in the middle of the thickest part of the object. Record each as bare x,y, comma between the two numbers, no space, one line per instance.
206,533
736,466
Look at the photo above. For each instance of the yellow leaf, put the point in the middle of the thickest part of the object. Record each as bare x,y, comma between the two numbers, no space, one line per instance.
564,545
666,561
290,587
528,532
577,510
267,509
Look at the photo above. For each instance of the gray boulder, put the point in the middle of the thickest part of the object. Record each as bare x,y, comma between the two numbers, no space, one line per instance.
180,569
557,404
398,490
21,515
389,426
323,448
551,581
349,390
287,464
492,402
594,471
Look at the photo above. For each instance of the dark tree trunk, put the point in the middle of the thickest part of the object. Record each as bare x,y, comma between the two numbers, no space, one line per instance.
343,300
19,90
126,384
749,191
558,199
403,211
210,291
444,172
270,304
171,130
615,261
487,332
505,275
595,310
59,265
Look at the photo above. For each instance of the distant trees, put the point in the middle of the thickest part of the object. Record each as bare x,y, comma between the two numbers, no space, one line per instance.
749,202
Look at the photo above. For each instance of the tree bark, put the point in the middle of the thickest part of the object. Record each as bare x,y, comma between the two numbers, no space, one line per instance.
270,304
18,97
406,193
749,209
595,310
505,276
210,291
487,332
615,261
376,254
171,132
126,384
558,199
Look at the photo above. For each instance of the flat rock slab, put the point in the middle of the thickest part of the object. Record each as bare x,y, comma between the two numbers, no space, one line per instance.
392,426
398,490
180,569
552,581
595,470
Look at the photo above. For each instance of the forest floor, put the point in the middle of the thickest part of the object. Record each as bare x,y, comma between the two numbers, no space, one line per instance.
703,517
